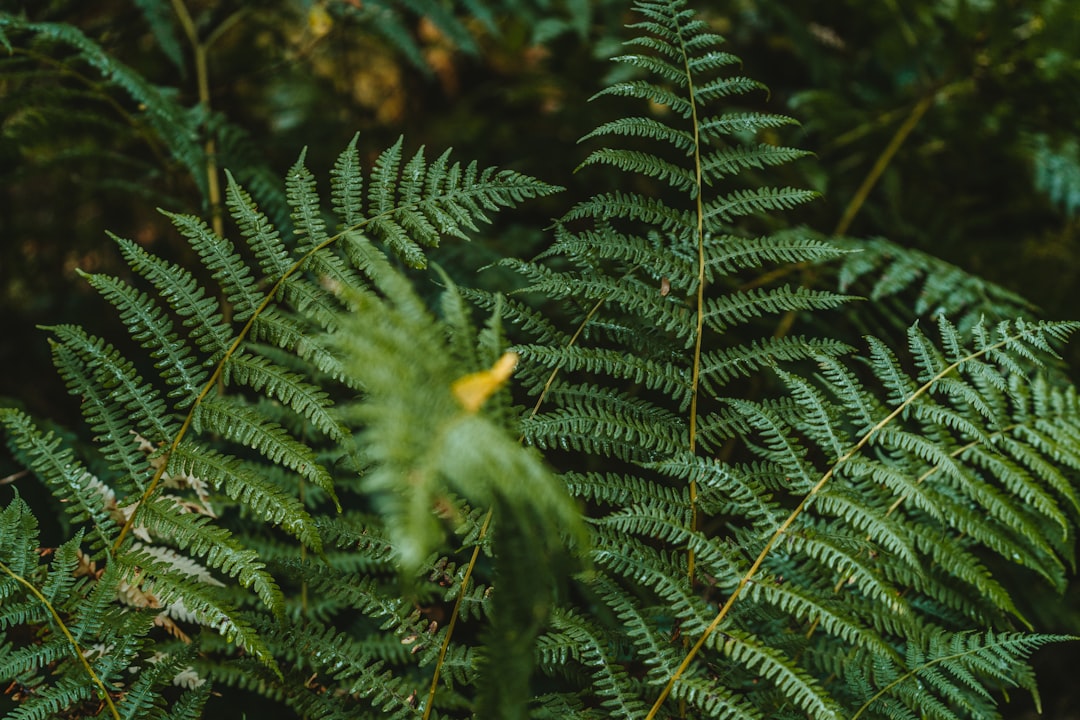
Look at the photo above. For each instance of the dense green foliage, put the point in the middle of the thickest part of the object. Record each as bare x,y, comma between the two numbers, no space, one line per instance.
672,471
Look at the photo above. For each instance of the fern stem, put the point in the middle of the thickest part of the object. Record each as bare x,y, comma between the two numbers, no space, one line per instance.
882,162
455,613
555,371
219,370
487,522
695,373
202,78
794,515
67,633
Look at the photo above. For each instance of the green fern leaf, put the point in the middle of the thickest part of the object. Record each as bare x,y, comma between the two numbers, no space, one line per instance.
225,264
262,375
178,287
246,427
153,330
796,685
86,498
260,235
347,185
197,535
119,383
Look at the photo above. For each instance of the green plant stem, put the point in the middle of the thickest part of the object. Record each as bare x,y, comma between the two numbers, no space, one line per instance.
794,515
220,367
454,614
886,156
695,373
856,203
106,697
202,80
487,522
199,51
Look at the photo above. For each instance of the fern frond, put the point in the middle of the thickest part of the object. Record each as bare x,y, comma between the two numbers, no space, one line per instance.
19,532
644,127
729,254
609,679
242,425
631,294
722,489
624,490
347,185
661,572
633,161
263,376
720,367
198,309
740,203
104,416
633,207
144,699
167,585
261,236
999,656
714,559
174,124
219,256
736,123
413,207
736,309
197,535
118,383
731,161
665,377
86,498
794,683
153,330
593,420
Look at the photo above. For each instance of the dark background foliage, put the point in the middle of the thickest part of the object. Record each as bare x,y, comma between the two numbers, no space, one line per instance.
945,125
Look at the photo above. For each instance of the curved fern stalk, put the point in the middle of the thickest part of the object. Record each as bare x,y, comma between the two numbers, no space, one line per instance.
1016,342
103,692
18,533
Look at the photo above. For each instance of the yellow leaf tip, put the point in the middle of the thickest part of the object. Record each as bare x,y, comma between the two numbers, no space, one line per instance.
473,390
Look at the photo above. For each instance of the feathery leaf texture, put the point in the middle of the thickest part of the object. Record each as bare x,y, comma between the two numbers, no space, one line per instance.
815,531
319,475
229,426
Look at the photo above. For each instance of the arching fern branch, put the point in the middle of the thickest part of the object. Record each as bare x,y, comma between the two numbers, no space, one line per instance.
429,201
174,124
995,362
693,155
